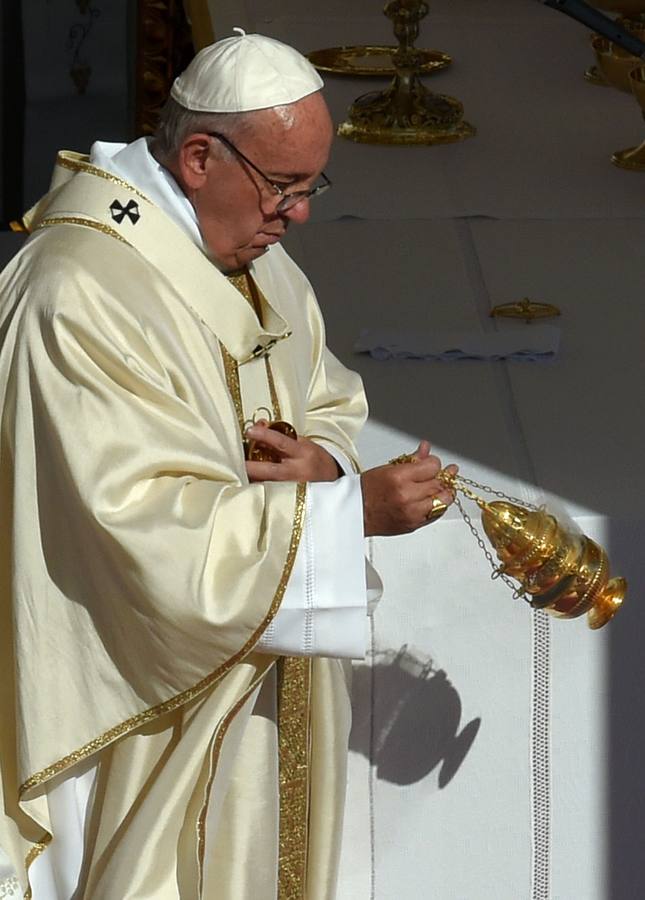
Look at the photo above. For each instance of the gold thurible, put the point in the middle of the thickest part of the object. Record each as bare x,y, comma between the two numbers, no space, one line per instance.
552,567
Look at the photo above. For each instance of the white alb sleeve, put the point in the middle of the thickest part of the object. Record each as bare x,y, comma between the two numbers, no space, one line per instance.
324,608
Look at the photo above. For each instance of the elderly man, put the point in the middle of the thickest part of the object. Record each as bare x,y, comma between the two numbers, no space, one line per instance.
182,522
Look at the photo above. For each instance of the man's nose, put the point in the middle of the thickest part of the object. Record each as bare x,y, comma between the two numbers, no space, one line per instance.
299,212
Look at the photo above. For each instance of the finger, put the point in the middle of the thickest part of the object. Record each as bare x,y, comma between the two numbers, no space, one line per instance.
433,490
274,439
425,469
423,450
267,471
422,490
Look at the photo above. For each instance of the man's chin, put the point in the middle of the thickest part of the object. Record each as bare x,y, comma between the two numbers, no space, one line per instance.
247,255
235,261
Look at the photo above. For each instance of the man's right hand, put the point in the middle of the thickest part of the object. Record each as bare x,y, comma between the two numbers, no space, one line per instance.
398,499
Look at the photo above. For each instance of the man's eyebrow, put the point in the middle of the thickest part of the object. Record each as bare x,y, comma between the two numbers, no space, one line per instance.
289,177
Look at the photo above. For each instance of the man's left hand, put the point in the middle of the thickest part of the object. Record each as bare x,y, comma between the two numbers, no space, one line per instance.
301,458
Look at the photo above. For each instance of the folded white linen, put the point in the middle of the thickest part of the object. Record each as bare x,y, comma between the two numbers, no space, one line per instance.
531,343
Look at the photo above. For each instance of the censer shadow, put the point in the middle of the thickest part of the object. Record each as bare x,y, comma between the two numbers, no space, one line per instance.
416,721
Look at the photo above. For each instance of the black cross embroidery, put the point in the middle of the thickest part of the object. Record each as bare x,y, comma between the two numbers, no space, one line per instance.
131,210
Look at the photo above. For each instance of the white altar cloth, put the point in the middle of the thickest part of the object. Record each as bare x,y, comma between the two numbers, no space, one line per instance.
461,824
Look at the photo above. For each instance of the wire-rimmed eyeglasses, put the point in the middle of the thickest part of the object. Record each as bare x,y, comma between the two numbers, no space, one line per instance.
288,200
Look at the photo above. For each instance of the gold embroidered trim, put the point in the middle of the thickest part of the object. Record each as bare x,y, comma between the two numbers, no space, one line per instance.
255,297
231,368
167,706
232,374
215,752
294,687
248,288
80,220
33,854
79,165
294,683
241,284
275,403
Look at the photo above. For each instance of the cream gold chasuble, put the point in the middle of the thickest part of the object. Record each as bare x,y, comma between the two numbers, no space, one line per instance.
139,567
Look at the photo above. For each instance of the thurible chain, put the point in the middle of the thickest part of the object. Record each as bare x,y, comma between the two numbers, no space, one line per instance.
496,573
458,480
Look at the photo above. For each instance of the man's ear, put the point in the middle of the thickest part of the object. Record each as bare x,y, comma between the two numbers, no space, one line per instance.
193,160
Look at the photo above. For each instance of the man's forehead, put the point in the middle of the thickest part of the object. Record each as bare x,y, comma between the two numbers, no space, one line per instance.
294,141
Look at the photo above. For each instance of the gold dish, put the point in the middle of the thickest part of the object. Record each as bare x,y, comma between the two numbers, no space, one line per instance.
372,60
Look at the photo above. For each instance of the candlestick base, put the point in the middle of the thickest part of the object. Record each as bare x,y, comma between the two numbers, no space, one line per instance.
593,75
633,158
406,113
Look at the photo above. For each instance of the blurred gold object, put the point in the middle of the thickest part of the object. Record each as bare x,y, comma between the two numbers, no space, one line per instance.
525,309
614,63
372,60
594,76
633,158
631,17
402,459
554,568
406,112
437,510
628,9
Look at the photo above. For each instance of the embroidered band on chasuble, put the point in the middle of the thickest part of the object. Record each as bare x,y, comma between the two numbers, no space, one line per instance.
294,673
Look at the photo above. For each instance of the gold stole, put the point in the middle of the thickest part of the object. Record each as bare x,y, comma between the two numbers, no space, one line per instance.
293,673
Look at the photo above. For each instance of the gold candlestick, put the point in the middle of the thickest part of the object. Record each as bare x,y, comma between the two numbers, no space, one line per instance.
631,17
552,567
633,158
406,112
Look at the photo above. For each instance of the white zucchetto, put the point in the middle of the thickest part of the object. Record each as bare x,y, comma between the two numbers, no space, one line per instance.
244,73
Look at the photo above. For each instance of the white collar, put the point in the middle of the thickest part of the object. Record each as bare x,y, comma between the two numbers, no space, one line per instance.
136,165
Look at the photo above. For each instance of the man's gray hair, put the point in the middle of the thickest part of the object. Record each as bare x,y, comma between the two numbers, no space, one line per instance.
176,123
